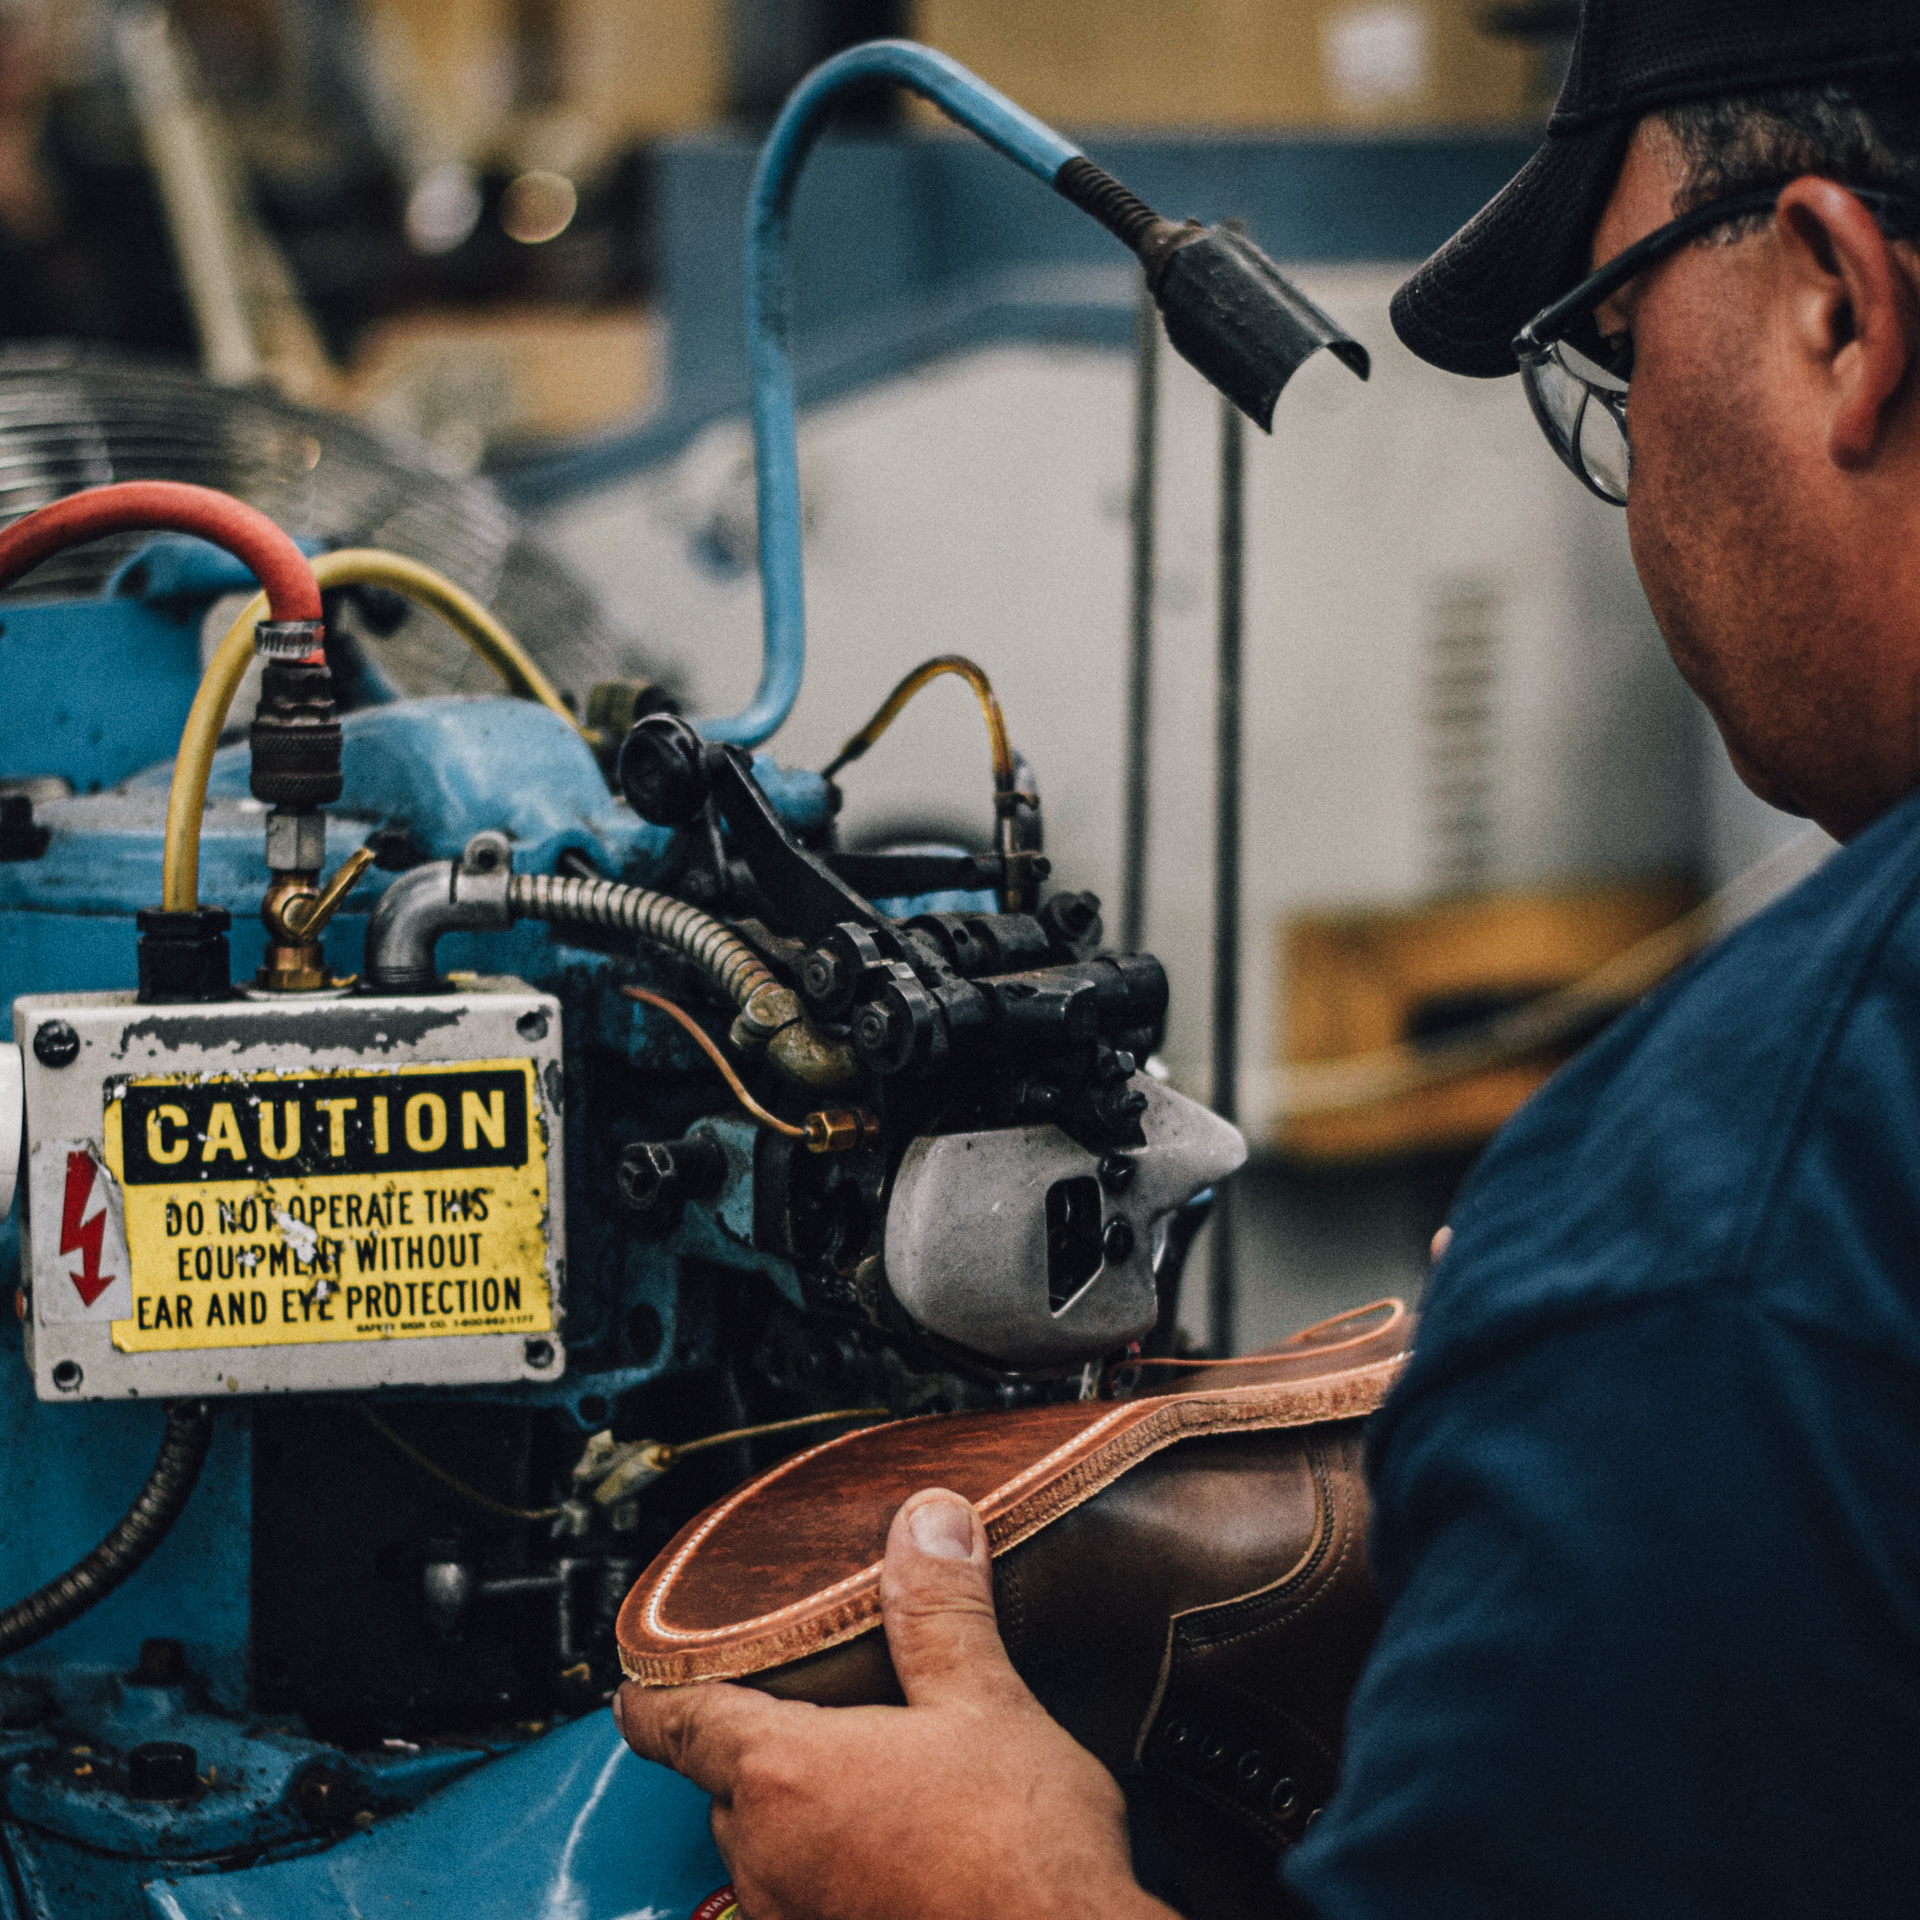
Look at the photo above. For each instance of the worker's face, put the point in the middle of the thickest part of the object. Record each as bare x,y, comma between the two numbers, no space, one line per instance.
1751,531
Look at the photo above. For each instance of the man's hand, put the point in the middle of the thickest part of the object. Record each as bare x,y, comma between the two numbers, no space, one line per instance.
966,1802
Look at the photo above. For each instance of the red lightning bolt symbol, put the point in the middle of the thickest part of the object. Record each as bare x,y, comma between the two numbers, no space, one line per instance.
80,1235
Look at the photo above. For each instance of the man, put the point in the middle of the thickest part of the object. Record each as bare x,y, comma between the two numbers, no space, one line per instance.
1647,1502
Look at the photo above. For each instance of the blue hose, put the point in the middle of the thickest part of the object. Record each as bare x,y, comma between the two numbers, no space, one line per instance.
974,105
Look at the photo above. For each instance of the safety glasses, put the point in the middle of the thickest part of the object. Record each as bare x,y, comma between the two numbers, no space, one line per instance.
1576,380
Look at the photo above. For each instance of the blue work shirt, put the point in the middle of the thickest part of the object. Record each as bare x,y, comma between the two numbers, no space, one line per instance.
1646,1504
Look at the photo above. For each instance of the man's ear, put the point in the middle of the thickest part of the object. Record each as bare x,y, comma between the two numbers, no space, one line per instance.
1853,309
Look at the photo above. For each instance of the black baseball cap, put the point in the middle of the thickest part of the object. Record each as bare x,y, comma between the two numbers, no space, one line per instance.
1529,244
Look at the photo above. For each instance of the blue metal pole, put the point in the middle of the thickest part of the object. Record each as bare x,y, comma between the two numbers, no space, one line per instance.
964,98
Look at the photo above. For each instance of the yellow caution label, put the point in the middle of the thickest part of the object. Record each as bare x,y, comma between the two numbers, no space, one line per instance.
278,1209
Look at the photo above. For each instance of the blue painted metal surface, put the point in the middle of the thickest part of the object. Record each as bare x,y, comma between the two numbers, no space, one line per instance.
447,768
569,1827
71,1474
140,645
54,720
70,1785
572,1828
965,98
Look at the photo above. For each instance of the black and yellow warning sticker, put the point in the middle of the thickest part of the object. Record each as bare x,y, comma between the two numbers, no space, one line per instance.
277,1209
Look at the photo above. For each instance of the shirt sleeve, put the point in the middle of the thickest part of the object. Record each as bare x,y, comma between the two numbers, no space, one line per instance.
1652,1641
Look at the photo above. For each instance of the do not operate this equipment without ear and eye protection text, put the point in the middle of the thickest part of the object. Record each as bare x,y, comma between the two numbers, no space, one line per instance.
350,1205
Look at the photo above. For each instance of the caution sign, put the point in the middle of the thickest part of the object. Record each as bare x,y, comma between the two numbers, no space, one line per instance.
278,1209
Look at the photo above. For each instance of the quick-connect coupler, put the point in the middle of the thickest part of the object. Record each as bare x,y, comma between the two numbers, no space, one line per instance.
295,736
295,742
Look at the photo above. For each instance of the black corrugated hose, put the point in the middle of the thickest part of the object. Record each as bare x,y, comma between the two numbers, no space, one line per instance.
183,1452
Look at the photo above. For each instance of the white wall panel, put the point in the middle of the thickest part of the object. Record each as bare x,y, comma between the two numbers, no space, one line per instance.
981,507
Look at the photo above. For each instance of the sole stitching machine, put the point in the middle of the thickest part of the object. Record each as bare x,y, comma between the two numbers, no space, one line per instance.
516,1203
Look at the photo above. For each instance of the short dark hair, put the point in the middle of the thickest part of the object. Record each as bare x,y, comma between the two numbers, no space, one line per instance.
1863,133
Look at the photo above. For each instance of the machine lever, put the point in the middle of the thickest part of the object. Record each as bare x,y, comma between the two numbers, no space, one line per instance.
305,915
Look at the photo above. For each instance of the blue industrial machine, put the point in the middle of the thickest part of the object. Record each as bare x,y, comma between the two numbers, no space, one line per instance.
436,1239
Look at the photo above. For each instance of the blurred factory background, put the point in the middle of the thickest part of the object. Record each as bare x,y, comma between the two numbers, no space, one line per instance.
504,236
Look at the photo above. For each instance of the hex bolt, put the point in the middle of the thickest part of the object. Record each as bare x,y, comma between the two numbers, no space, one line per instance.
874,1031
656,1178
1117,1242
163,1770
645,1176
823,978
56,1044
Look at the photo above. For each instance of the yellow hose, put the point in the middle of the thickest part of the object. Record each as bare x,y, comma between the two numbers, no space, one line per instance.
350,567
924,675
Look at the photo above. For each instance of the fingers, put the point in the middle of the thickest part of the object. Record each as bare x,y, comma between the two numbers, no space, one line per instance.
936,1596
699,1731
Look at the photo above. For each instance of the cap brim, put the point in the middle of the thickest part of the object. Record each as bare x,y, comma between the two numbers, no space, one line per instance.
1528,245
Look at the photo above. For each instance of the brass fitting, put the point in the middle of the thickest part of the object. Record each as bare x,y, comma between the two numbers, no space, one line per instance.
295,912
839,1130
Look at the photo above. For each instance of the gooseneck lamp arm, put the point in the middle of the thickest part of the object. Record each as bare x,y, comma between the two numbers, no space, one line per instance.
1227,308
769,290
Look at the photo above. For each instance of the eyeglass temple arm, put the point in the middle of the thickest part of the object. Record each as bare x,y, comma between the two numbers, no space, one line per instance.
1550,323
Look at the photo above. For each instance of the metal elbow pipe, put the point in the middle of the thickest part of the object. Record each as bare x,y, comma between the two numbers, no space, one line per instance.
417,909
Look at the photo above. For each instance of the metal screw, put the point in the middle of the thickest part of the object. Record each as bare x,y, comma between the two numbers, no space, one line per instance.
56,1044
67,1375
1117,1242
539,1353
822,975
531,1025
874,1031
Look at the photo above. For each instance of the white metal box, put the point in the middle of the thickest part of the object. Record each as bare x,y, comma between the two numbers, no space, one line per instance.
277,1196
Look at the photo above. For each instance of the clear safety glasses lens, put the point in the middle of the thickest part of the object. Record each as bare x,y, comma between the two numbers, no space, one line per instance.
1582,409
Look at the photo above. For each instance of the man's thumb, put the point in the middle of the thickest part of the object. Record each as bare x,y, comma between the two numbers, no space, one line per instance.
936,1595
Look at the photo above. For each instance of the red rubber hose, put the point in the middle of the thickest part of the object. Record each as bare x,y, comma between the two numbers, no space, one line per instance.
168,506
